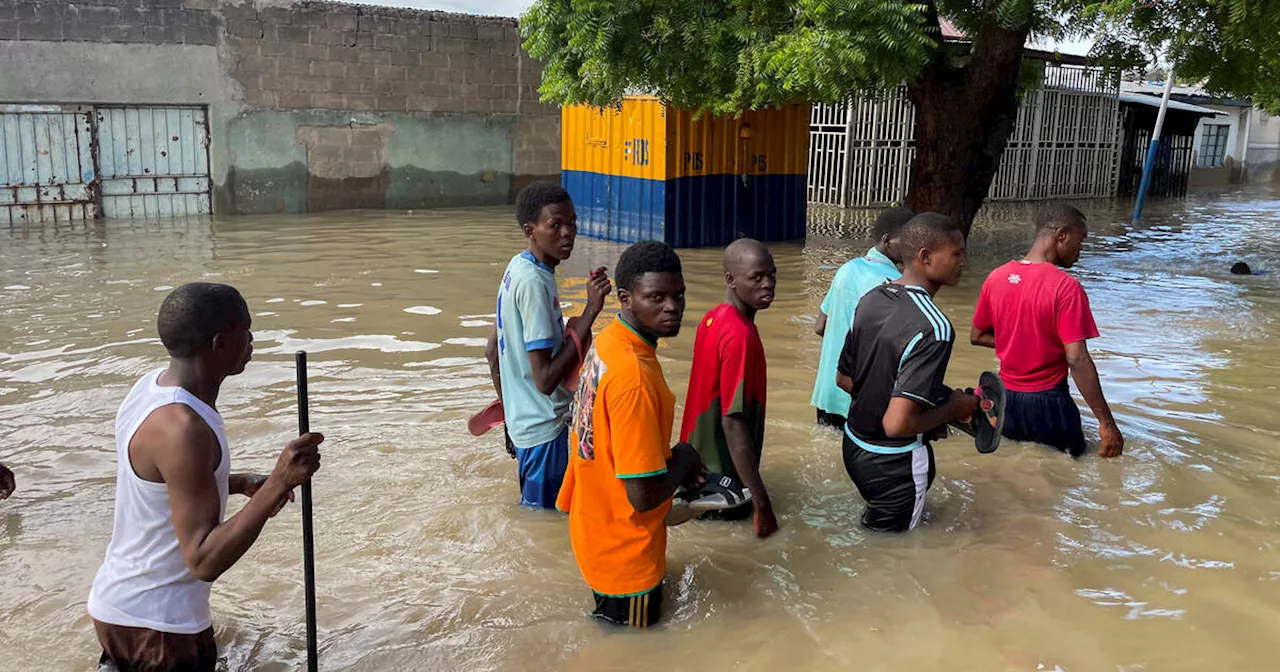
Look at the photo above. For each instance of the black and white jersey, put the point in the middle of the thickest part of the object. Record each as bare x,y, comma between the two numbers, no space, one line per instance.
899,346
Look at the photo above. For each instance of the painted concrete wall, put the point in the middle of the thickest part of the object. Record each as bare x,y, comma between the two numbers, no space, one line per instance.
1264,146
323,160
1253,148
313,105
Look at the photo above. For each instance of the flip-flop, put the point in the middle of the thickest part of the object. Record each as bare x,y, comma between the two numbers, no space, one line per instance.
719,492
989,421
493,415
571,382
485,420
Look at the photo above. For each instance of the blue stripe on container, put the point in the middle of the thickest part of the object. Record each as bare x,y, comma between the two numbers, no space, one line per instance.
715,210
612,207
702,211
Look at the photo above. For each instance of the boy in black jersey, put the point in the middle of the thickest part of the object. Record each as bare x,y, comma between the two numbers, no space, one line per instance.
892,366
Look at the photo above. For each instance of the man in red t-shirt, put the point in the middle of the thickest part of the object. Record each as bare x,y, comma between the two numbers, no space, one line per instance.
1037,318
724,408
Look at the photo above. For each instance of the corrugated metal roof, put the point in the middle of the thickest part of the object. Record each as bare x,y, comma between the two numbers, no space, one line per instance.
1154,101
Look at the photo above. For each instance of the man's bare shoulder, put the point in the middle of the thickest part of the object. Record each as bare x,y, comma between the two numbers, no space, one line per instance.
174,435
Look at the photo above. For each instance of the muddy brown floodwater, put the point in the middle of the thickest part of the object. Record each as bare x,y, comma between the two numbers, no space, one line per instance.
1165,559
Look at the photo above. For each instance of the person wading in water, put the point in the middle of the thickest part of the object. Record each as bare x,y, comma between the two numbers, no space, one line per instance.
623,472
7,482
835,318
1038,320
724,406
169,541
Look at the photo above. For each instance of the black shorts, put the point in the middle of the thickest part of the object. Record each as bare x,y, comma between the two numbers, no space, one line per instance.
831,420
893,485
1049,417
637,611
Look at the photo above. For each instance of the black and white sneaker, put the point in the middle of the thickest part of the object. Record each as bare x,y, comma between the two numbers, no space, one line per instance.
719,492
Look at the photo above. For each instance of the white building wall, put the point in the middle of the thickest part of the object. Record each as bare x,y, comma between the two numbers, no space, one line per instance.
1263,158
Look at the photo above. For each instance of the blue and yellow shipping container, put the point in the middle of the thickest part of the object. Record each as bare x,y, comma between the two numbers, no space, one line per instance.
651,172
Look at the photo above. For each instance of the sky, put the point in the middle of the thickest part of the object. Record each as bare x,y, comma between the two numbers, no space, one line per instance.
517,7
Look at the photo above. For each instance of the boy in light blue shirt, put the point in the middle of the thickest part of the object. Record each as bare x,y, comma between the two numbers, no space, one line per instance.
529,358
854,279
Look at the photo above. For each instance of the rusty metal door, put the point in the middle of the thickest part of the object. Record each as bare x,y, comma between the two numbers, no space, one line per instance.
153,161
46,164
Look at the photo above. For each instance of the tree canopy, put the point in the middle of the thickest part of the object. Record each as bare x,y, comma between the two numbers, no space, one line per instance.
728,55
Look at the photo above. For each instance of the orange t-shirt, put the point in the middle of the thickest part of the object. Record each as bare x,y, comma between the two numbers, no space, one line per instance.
622,418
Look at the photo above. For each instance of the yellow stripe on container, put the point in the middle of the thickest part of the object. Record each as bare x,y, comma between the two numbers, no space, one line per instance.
758,142
628,142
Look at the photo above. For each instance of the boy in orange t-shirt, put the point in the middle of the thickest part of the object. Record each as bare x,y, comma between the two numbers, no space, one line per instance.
622,474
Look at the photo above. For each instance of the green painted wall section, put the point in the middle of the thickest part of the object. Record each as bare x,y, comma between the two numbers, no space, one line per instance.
307,161
451,160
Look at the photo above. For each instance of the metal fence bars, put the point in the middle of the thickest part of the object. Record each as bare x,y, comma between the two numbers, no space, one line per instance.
1065,144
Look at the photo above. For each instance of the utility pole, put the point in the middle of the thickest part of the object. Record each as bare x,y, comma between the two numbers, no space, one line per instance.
1149,165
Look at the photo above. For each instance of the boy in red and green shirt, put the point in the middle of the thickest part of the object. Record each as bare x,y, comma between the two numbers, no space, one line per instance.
724,408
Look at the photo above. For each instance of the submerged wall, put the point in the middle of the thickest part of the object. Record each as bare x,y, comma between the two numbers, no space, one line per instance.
312,106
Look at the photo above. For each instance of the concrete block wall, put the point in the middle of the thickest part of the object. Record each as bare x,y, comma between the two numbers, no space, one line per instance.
121,21
313,105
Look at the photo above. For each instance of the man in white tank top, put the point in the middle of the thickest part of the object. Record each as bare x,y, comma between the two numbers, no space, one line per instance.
169,542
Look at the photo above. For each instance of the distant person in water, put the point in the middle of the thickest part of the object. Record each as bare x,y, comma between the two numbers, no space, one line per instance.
851,282
169,541
529,359
1038,320
1241,268
7,482
623,471
724,407
892,365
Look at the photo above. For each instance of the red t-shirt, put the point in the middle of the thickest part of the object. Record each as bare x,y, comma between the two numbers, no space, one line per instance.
728,377
1035,310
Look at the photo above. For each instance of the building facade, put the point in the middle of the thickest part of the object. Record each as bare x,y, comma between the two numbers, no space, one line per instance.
153,108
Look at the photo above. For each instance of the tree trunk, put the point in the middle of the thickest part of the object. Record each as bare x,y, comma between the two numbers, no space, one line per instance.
964,115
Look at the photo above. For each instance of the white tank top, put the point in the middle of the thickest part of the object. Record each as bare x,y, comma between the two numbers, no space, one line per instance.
143,581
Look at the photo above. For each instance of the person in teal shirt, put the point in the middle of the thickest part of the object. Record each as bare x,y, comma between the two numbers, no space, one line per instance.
855,278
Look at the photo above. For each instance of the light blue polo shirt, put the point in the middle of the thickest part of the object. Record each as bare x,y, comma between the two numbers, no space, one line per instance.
855,278
529,318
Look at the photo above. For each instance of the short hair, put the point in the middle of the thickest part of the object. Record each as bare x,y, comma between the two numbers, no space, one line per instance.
536,196
1052,217
1241,268
890,221
194,313
927,230
646,256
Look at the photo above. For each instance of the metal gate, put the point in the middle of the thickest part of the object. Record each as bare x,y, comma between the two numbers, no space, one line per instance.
46,164
60,163
153,161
